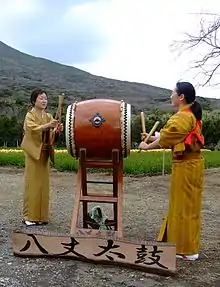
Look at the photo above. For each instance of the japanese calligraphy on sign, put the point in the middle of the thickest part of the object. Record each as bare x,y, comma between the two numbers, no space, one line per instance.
154,256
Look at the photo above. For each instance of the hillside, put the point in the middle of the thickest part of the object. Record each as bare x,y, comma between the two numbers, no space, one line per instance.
21,73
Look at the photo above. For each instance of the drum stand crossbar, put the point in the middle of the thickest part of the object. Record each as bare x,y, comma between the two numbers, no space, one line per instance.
82,196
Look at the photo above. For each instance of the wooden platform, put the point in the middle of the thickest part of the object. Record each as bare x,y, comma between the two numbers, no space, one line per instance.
151,257
82,197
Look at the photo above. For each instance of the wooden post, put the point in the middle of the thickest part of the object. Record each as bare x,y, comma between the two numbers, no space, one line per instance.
82,195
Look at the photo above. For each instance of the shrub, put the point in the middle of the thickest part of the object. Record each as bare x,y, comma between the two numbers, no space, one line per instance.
144,163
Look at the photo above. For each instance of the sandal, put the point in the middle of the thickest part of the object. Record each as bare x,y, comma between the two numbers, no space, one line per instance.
192,257
29,223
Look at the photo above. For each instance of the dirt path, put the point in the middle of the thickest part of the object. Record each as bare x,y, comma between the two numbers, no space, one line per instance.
146,201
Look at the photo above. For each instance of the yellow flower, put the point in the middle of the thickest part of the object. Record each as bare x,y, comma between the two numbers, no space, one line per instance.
160,150
11,150
7,150
151,150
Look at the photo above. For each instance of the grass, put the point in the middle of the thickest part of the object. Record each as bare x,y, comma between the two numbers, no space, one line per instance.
148,163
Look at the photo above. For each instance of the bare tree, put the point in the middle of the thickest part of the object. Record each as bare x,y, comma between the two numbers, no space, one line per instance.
207,45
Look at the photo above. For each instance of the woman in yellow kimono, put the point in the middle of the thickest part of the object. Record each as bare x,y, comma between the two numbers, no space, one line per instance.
183,134
38,127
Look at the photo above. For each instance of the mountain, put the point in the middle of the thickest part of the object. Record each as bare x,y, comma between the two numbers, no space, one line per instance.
21,73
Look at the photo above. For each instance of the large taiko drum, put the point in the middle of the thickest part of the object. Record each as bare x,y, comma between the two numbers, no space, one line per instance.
99,126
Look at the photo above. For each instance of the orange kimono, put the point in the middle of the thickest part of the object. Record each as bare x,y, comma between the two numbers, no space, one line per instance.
183,220
36,147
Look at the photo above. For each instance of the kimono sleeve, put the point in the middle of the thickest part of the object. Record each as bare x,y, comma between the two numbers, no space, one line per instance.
31,124
175,130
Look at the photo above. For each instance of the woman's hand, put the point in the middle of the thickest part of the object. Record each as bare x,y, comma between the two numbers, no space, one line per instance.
143,146
59,128
144,135
157,135
53,123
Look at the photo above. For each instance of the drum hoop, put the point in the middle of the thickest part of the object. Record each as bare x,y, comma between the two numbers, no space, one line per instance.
70,119
128,129
125,128
122,110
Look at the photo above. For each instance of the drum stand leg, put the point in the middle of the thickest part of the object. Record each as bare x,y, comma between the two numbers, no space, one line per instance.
82,196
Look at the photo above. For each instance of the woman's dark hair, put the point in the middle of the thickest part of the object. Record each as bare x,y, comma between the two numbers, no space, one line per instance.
189,93
35,94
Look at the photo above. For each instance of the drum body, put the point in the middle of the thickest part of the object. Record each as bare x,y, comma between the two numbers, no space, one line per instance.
99,126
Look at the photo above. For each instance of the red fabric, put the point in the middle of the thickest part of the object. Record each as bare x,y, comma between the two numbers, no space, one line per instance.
194,134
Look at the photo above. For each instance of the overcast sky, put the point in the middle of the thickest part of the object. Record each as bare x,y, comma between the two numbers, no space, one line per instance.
120,39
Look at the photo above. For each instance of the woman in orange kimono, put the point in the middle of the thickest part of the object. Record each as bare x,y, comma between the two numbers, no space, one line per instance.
36,144
183,134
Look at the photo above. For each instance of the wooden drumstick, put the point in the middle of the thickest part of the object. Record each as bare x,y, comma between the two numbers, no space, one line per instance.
152,131
143,123
59,109
58,116
142,126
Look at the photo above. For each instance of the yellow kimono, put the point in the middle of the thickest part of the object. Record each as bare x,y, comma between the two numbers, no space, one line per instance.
36,147
182,222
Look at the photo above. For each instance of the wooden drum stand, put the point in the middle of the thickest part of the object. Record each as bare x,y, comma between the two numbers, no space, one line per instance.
98,135
82,196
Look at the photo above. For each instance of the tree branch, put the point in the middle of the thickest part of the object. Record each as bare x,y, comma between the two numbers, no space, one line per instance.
208,41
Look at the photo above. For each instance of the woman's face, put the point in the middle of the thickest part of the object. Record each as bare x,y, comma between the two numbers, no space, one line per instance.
41,102
176,99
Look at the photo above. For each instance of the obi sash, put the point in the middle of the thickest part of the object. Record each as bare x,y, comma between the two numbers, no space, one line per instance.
193,133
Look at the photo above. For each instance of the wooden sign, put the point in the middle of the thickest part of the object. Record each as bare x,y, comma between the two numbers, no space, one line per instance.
151,257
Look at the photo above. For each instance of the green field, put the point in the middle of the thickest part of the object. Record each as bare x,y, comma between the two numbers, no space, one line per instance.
144,163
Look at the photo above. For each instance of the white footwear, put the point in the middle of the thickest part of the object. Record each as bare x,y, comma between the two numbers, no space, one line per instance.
29,223
192,257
